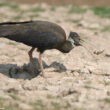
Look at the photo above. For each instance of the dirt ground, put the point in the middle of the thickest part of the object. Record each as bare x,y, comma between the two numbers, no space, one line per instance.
79,80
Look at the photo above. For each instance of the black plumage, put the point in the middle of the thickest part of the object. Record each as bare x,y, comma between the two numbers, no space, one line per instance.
42,35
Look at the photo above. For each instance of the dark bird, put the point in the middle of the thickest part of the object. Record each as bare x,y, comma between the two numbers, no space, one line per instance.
42,35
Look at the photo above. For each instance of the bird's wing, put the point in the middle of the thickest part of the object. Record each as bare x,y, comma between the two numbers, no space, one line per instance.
43,39
37,34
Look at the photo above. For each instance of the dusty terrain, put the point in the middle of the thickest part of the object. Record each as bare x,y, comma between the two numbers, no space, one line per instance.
76,81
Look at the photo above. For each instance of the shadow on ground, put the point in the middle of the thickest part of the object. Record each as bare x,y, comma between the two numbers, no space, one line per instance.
28,71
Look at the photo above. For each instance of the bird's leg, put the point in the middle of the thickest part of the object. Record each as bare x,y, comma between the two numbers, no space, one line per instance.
31,59
30,53
41,66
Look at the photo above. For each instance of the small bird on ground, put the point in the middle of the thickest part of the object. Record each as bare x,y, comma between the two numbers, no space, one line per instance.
42,35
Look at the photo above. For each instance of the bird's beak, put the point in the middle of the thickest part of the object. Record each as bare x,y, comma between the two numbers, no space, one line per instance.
80,44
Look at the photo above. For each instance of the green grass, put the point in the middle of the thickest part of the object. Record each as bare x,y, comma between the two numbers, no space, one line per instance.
37,9
75,21
2,100
38,105
55,104
87,87
78,10
15,97
102,11
6,104
106,83
18,17
12,107
59,105
90,87
11,43
92,28
6,54
50,96
33,16
53,8
107,100
41,104
8,4
106,29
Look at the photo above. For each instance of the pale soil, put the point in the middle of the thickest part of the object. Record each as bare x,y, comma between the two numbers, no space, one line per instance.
76,81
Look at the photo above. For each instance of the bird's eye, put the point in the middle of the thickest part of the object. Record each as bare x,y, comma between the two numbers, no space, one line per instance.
75,35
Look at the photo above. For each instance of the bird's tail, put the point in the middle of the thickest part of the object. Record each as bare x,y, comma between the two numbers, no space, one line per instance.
6,27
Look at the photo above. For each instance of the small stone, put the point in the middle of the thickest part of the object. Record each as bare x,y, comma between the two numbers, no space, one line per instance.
98,52
107,53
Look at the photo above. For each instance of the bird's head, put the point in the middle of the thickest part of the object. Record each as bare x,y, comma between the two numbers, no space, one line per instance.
74,38
72,41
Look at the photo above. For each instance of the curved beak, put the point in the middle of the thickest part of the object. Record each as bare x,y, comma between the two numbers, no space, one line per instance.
78,42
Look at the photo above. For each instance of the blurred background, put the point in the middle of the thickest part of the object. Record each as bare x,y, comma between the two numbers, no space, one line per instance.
73,2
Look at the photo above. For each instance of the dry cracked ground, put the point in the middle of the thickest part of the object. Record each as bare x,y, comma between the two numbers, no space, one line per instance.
79,80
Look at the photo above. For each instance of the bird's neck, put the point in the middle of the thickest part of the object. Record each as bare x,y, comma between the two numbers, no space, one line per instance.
67,46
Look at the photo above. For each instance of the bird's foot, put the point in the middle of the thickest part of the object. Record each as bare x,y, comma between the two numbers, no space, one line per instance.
42,75
45,77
